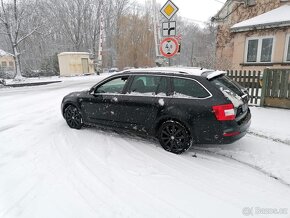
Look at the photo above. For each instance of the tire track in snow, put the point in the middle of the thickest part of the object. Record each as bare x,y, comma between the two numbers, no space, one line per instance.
282,181
82,186
286,142
124,181
20,199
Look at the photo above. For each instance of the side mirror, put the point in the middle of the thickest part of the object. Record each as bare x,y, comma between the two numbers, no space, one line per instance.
92,91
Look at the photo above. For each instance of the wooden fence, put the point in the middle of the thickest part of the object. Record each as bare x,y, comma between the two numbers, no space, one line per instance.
276,88
250,80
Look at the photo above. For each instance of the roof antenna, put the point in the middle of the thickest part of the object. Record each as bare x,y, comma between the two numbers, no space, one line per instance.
201,68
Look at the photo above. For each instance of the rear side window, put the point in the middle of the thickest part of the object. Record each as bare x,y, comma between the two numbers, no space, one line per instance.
148,85
189,88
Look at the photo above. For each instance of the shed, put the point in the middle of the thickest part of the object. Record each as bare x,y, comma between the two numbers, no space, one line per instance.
75,63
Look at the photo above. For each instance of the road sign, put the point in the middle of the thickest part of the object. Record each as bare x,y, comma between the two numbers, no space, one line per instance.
169,9
169,28
169,47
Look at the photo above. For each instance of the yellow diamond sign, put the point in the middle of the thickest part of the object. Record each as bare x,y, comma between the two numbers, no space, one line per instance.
169,9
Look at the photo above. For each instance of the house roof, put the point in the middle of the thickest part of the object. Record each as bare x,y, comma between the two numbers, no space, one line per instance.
275,18
217,16
4,53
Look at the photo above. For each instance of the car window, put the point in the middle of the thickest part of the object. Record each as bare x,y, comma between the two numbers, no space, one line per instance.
145,84
224,83
162,87
113,86
188,88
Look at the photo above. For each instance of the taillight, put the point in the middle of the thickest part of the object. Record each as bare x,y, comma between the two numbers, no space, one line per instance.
228,134
224,112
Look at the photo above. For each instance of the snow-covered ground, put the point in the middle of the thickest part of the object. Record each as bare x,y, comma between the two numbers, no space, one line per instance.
270,151
272,123
50,170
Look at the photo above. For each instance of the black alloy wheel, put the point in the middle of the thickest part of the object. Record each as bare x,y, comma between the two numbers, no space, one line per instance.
174,137
73,117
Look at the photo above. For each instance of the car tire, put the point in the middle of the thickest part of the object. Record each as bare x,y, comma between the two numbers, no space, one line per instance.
174,137
73,117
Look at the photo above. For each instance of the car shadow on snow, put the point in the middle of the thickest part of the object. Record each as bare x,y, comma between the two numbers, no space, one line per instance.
147,139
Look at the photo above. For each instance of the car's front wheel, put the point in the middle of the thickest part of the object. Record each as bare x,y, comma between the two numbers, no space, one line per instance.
73,117
174,137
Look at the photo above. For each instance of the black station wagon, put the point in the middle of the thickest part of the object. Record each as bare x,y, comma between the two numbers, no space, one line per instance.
179,106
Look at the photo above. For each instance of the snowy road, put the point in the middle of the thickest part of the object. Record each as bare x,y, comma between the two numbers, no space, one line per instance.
50,170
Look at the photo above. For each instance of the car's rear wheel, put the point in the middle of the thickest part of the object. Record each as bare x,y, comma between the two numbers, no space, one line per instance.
174,137
73,117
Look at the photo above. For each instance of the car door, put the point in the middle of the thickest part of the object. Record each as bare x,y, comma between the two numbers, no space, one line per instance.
145,98
100,107
192,104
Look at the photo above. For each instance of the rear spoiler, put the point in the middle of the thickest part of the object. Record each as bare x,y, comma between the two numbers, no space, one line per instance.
212,74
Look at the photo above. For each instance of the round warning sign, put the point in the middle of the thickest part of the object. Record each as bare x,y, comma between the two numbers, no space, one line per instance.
169,47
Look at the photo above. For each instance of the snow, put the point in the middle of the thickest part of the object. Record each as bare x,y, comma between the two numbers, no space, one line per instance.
73,53
50,170
215,74
161,102
234,98
278,16
271,123
175,70
258,148
4,53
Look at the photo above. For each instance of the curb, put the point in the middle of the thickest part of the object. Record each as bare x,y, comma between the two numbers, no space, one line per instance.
31,84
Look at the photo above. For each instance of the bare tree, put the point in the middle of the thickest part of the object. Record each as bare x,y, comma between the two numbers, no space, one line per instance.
74,25
135,40
17,17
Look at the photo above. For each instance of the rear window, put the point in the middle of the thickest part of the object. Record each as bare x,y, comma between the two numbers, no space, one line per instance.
225,84
189,88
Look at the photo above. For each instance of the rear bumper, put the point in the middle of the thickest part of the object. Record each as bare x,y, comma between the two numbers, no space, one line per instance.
228,131
241,127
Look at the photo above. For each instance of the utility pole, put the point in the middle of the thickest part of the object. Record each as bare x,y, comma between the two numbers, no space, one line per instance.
101,38
156,29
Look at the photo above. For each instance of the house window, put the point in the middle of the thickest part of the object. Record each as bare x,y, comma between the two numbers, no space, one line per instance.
287,49
266,51
4,64
250,2
259,50
252,50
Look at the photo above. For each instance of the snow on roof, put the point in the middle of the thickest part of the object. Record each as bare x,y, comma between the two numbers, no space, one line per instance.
73,53
196,71
4,53
190,70
277,17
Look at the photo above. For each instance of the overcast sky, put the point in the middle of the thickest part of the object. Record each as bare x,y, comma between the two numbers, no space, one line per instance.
197,10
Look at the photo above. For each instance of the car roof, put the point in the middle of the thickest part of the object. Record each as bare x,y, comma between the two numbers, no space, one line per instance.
195,71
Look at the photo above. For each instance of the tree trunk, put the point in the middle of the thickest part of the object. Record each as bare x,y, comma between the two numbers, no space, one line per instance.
18,75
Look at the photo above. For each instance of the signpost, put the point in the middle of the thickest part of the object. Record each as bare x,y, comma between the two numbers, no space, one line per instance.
169,9
169,46
169,28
